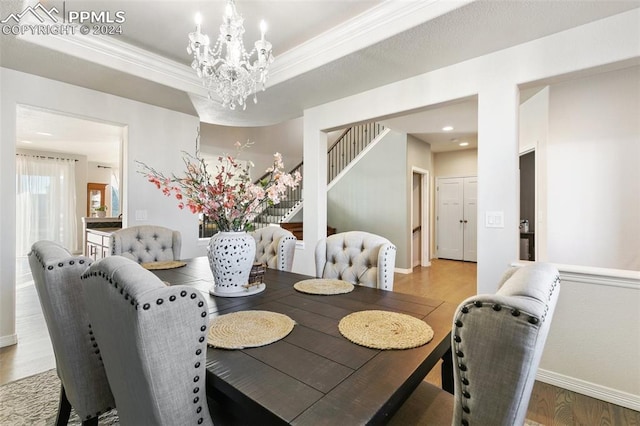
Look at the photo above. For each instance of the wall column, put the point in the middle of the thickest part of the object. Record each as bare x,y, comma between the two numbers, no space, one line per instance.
498,183
314,184
8,334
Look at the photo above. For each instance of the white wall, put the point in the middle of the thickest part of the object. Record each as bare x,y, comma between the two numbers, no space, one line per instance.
456,163
594,342
284,138
593,171
495,79
150,130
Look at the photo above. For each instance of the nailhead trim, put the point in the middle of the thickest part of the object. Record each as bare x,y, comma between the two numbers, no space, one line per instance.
497,308
159,302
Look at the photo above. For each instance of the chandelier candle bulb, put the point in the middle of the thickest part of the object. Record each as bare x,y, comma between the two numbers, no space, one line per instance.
263,29
198,22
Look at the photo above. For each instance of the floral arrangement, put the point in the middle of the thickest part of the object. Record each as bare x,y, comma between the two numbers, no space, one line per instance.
228,198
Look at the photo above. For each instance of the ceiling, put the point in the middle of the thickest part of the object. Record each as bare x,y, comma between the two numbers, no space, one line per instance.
42,130
324,49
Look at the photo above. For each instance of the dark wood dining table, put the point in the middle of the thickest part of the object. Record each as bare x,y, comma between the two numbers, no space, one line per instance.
315,376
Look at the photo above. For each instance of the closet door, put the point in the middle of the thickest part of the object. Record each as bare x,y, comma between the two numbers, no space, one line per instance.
457,218
450,218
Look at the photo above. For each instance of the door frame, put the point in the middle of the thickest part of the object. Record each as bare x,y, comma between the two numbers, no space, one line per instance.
425,234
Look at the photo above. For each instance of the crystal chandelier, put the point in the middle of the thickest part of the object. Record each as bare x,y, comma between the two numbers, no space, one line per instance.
226,68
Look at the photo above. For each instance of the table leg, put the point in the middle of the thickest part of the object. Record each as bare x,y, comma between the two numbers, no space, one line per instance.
446,373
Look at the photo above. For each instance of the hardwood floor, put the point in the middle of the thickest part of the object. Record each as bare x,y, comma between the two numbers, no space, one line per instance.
444,279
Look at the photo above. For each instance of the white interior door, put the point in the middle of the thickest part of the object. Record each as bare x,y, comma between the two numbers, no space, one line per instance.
450,218
470,239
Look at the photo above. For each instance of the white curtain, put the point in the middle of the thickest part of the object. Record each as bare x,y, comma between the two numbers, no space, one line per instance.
45,202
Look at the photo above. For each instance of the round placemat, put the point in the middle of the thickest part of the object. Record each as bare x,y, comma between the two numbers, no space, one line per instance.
168,264
323,286
248,329
385,330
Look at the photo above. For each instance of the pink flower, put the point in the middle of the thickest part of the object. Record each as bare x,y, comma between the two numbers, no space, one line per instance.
227,196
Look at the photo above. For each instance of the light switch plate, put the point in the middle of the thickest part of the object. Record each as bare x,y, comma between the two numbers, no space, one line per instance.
494,219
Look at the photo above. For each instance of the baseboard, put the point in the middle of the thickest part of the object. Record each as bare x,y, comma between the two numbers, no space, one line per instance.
603,393
9,340
403,270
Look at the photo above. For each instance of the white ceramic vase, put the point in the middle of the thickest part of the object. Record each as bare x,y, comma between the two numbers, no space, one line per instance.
231,256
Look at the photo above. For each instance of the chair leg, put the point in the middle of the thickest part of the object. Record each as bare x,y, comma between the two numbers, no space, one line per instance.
446,373
64,409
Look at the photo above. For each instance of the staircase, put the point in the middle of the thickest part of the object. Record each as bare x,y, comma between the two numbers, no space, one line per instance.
349,145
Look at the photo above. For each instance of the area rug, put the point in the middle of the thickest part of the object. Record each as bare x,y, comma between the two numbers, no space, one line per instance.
34,401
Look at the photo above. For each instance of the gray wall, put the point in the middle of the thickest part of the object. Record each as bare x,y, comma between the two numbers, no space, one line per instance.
372,197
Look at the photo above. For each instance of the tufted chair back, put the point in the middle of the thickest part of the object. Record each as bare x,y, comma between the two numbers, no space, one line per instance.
153,342
358,257
497,343
56,274
275,247
147,243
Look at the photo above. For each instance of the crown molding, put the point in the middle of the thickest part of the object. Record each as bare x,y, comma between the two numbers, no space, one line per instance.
378,23
124,57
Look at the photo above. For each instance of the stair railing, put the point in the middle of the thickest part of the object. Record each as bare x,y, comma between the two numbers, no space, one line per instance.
350,143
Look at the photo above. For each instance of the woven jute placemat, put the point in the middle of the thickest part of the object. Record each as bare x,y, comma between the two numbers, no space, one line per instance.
323,286
385,330
248,329
167,264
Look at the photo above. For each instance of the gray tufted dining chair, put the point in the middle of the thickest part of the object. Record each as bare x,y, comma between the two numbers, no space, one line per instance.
147,243
152,339
358,257
56,274
497,342
275,247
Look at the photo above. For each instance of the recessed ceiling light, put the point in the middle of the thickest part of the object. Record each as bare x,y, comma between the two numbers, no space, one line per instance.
447,128
464,143
44,134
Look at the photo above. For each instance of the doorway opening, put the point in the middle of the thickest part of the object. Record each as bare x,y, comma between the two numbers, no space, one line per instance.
60,154
527,205
420,205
